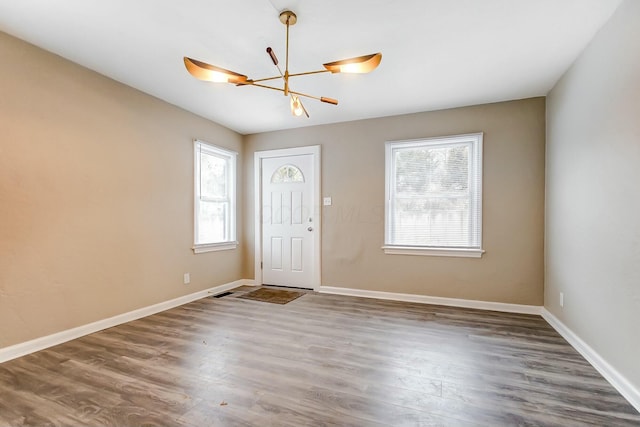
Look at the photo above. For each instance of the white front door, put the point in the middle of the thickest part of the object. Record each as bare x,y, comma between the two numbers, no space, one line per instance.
289,228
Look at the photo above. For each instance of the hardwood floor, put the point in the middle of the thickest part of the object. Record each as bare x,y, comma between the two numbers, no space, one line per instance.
320,360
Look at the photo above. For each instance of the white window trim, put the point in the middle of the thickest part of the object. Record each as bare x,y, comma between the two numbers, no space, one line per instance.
391,249
212,247
199,248
432,251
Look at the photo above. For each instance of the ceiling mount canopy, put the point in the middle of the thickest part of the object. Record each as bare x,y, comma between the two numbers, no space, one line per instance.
211,73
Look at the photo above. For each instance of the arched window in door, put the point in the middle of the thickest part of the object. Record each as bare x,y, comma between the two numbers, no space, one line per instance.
287,174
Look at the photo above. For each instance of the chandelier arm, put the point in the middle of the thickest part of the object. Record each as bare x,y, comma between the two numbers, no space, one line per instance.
267,79
265,86
282,90
319,98
282,76
274,59
308,73
305,95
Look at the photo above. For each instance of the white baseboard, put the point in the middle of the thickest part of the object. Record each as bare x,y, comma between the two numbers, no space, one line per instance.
615,378
424,299
28,347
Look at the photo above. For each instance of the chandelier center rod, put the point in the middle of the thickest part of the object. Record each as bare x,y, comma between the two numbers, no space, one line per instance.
288,18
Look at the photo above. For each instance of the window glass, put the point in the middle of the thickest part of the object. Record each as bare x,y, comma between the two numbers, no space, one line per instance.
287,173
213,176
214,196
433,191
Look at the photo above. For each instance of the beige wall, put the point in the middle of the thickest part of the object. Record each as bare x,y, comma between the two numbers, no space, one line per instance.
96,197
511,271
593,199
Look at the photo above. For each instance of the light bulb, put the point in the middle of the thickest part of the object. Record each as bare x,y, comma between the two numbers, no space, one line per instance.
218,77
351,68
296,106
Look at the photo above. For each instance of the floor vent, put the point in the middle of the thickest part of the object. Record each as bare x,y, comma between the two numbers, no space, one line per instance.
224,294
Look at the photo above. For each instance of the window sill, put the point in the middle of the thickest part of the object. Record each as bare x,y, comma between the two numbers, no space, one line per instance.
424,251
211,247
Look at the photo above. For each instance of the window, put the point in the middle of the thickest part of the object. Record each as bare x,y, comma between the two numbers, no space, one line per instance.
434,196
287,173
215,194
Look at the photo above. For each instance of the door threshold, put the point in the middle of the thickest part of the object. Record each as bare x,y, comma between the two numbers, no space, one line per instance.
290,287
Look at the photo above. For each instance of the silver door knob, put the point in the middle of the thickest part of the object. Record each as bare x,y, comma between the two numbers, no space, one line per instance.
310,229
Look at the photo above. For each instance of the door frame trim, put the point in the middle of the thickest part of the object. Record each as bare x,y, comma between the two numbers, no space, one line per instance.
314,150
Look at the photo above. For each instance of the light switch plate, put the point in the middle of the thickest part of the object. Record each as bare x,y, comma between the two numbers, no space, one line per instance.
326,201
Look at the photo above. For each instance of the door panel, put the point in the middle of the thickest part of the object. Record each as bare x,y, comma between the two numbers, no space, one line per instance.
296,254
297,208
276,207
276,253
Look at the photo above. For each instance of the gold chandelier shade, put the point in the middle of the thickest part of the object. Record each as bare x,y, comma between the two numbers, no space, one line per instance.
359,64
207,72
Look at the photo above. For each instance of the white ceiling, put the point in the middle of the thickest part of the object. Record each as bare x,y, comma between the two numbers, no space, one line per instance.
435,53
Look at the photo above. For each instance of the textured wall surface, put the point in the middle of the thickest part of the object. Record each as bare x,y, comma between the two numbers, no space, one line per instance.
511,270
96,197
593,202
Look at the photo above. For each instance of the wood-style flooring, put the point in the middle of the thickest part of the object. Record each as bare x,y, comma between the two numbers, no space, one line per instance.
320,360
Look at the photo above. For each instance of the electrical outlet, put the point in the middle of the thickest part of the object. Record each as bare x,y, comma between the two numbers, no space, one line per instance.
561,299
187,278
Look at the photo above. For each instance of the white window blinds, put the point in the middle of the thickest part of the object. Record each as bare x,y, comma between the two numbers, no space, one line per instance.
433,193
